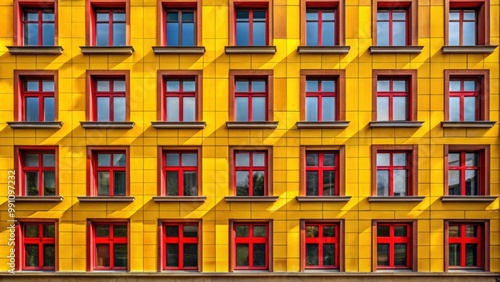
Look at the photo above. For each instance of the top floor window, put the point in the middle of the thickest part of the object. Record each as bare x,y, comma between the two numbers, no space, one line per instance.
251,27
38,99
321,27
394,23
108,23
35,23
180,27
467,22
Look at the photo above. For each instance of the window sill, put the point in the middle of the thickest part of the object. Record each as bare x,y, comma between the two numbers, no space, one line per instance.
105,198
396,49
251,124
323,198
107,50
396,199
35,50
323,49
322,124
467,124
178,50
250,49
107,124
399,124
478,49
178,125
179,199
251,198
468,198
39,199
35,124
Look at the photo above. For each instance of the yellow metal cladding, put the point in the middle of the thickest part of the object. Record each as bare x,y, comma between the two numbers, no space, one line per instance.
215,139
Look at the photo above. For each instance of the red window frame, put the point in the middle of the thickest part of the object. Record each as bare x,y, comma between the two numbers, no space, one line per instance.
92,78
110,240
410,6
461,22
391,168
93,169
463,167
110,23
409,240
391,21
92,6
320,94
322,168
320,20
462,94
40,94
180,169
320,241
481,92
481,240
165,6
20,6
181,94
20,152
235,5
250,94
391,94
250,168
483,167
251,11
180,240
41,241
482,10
463,240
250,241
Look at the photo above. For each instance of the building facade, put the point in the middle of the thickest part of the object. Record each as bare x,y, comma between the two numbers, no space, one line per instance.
268,139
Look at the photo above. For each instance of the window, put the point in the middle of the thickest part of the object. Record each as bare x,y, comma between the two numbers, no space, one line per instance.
321,245
467,168
181,172
322,173
395,248
321,26
180,96
108,174
250,246
394,23
38,167
109,96
467,22
180,246
36,96
36,23
38,247
250,24
251,96
395,170
109,246
466,245
108,23
466,95
395,95
250,173
180,23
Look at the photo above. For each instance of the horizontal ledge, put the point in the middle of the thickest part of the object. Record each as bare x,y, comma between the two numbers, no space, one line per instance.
252,124
39,199
179,198
400,124
396,199
105,198
107,50
468,124
323,49
468,198
322,124
251,198
178,125
477,49
107,124
35,124
250,49
323,198
35,50
158,50
396,49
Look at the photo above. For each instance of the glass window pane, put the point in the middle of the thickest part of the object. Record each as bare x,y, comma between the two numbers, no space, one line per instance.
48,86
120,183
119,160
259,231
311,109
383,231
119,34
241,109
312,34
329,231
172,159
31,34
188,85
382,15
453,159
32,255
120,231
454,85
454,187
312,254
172,16
32,85
103,183
454,255
102,85
189,109
400,231
172,108
259,15
118,17
382,33
242,34
454,15
103,255
31,160
48,111
469,109
102,16
469,85
119,85
259,34
31,16
471,255
471,159
49,231
32,109
470,231
259,109
471,182
312,231
328,109
190,231
172,33
242,255
103,159
454,231
49,183
329,183
172,231
328,36
399,159
311,14
259,159
400,255
31,231
258,86
242,159
399,85
48,34
312,159
398,34
48,160
328,85
32,183
400,183
382,108
102,230
242,230
103,109
312,85
242,86
259,254
329,254
382,183
399,108
398,15
172,183
383,255
173,85
189,159
190,183
383,159
383,85
190,255
49,255
312,183
102,34
259,181
242,183
172,255
453,33
469,36
120,255
119,109
454,114
328,159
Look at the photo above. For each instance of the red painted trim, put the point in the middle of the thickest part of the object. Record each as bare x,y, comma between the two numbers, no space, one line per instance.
165,5
411,19
109,240
482,8
92,168
251,240
90,19
21,5
321,168
19,152
180,241
410,240
320,241
92,77
180,169
482,92
481,240
391,168
234,5
250,169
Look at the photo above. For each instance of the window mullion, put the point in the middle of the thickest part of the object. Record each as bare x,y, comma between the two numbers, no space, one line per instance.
179,31
180,192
